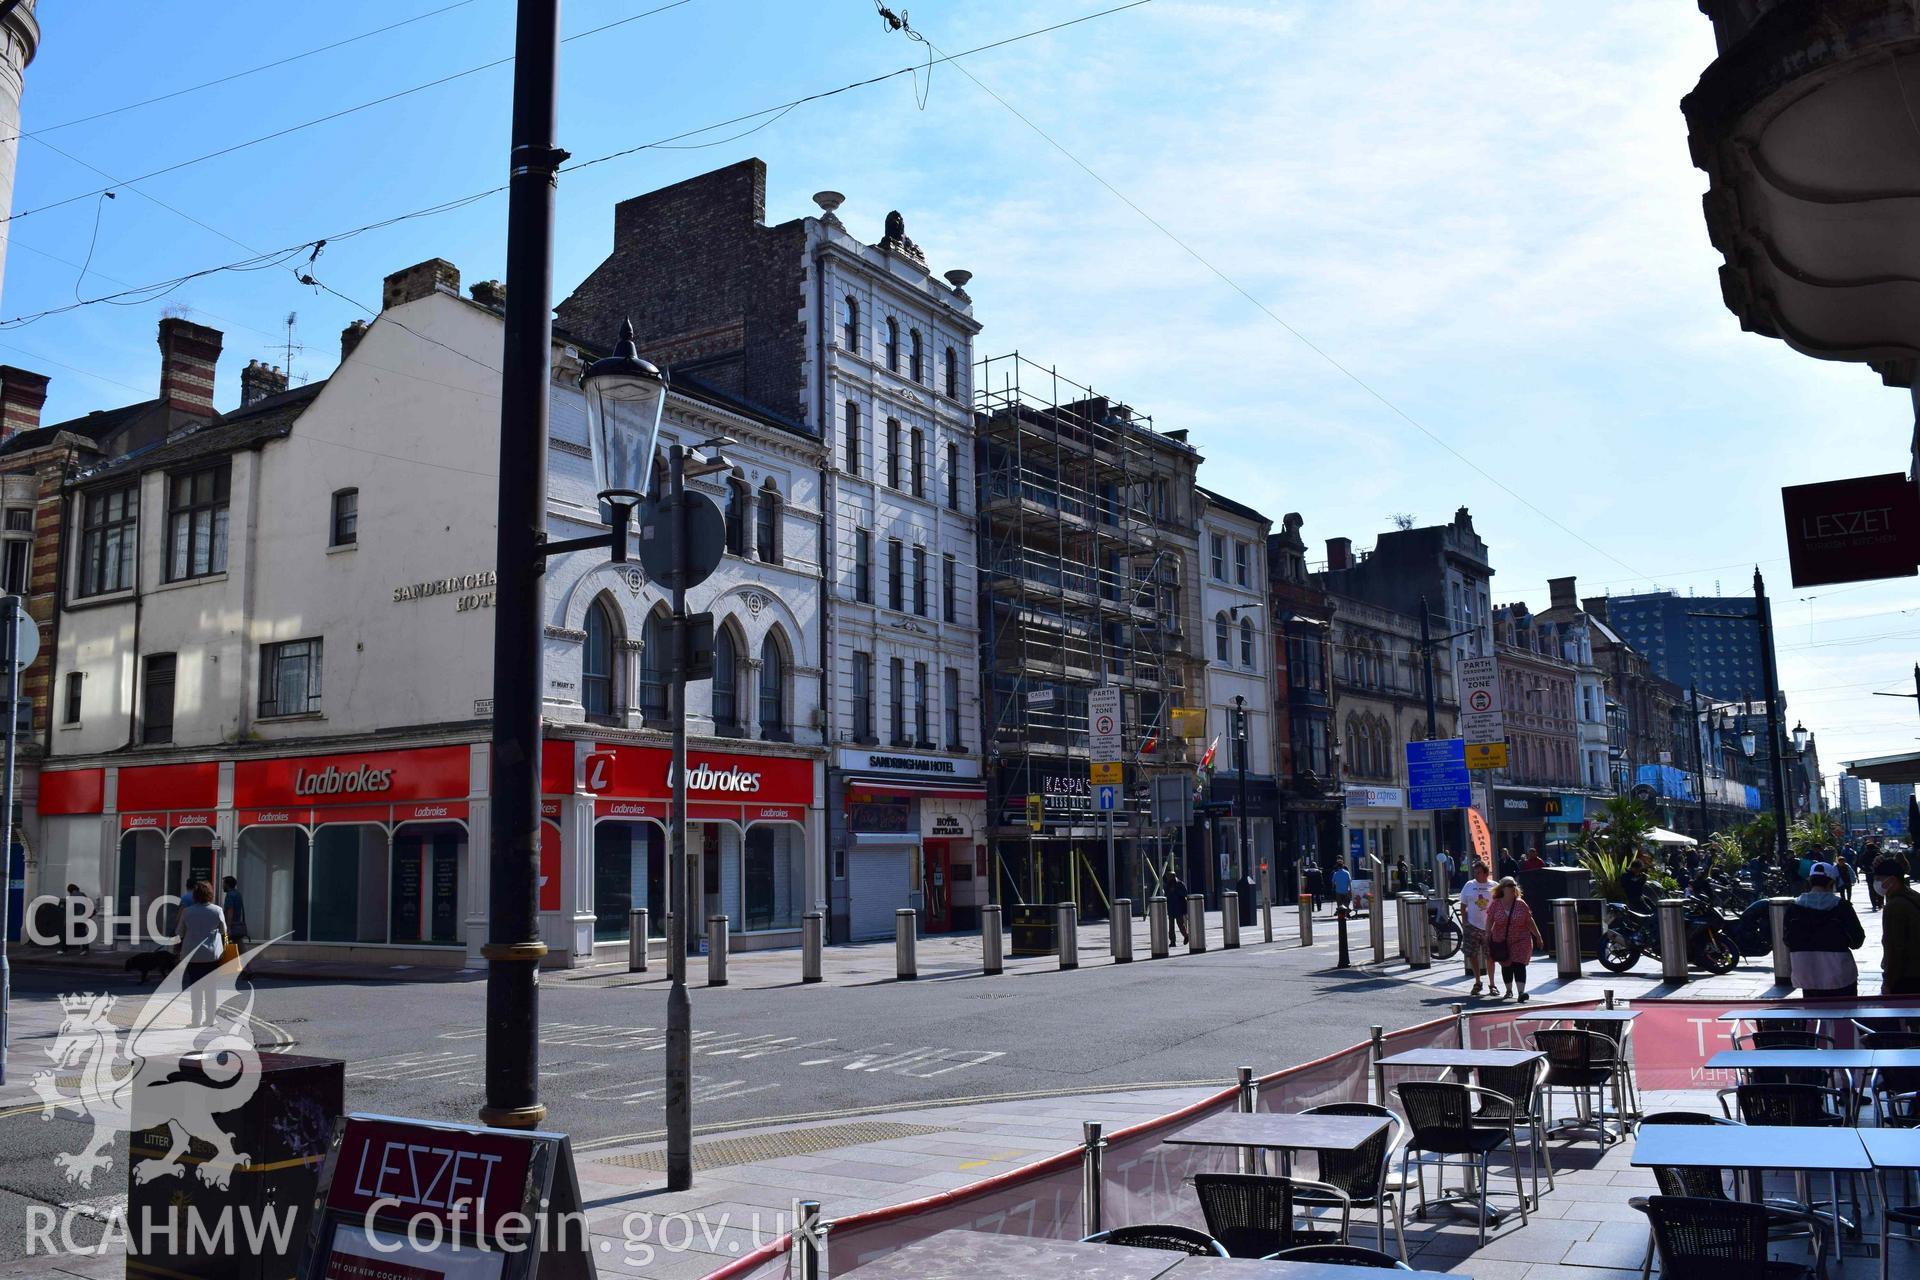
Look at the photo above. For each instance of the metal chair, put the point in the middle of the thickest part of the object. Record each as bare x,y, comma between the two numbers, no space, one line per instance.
1254,1214
1785,1219
1804,1106
1440,1116
1704,1238
1522,1084
1783,1038
1585,1064
1346,1255
1164,1236
1366,1174
1895,1092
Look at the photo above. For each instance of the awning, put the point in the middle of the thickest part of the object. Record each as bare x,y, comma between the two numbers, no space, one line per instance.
1660,835
1894,769
908,788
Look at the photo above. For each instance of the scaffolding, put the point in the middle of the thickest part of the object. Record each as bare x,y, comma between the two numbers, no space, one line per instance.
1082,570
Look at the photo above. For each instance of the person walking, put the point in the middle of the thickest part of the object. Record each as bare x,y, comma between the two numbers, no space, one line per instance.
234,907
1476,895
1822,932
1899,929
1511,937
1870,856
1175,890
1342,884
203,936
1843,875
1313,886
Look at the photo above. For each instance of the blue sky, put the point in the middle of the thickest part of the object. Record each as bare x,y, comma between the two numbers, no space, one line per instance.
1485,213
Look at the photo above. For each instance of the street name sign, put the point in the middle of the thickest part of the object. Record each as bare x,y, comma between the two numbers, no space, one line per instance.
1480,713
1437,774
1103,725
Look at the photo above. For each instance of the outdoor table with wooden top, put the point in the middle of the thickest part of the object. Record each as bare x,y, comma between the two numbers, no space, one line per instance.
1782,1148
1617,1023
1892,1151
1285,1132
970,1255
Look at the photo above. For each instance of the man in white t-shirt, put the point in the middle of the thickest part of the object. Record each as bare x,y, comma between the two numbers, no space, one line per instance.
1475,896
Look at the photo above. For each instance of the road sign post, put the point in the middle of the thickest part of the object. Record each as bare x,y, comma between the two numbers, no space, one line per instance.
20,637
1437,774
1104,748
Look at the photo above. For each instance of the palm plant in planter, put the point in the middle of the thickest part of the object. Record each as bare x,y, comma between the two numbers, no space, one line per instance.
1610,850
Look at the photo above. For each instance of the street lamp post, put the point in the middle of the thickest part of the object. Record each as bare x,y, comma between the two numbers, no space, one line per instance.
1244,817
1699,759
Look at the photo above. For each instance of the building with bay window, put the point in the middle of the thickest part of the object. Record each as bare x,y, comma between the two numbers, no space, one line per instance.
273,658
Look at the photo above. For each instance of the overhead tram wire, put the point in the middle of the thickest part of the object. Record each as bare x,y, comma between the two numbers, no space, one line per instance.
1298,336
325,119
280,257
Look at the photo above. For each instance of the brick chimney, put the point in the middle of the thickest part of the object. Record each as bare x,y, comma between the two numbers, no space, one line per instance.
21,394
260,380
188,353
1563,593
350,338
489,293
422,279
1339,554
1596,607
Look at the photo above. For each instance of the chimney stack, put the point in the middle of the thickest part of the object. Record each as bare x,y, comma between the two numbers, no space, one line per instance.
188,353
1563,593
260,380
350,338
1596,607
1339,554
489,293
421,280
21,394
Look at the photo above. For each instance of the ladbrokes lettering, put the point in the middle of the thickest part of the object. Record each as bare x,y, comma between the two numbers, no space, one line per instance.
733,781
365,780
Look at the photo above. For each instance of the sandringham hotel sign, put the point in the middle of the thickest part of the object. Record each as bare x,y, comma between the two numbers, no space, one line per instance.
474,589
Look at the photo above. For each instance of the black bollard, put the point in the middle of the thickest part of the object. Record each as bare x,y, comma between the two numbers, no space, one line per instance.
1340,920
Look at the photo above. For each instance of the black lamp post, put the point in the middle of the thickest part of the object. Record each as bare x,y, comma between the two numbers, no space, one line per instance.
1243,818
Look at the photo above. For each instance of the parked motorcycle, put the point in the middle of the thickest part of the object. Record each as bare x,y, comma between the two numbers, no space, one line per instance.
1628,935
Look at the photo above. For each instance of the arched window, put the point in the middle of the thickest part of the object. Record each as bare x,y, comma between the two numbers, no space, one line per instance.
893,344
916,360
1246,642
653,670
726,682
850,323
1222,641
773,690
852,464
766,525
1353,747
737,515
953,374
599,675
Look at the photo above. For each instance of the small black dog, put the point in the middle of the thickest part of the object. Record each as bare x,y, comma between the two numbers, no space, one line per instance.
147,963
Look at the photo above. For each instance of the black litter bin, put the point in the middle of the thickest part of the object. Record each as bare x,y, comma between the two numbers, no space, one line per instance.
284,1130
1249,902
1035,930
1547,885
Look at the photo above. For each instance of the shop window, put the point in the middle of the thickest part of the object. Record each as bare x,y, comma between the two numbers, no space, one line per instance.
766,525
726,683
156,698
600,691
773,877
197,523
348,897
653,667
428,890
109,545
344,527
773,691
272,867
623,853
290,678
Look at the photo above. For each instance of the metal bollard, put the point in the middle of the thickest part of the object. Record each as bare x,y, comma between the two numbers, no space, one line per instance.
1782,962
1340,921
1266,920
1671,915
1090,1175
1377,921
1376,1050
1566,936
1196,924
716,951
905,965
1246,1101
1066,917
1120,923
1158,930
813,929
992,955
637,940
1229,920
1306,920
1419,942
1606,998
807,1237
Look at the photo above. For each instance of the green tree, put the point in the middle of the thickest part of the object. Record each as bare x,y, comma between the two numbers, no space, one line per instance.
1617,841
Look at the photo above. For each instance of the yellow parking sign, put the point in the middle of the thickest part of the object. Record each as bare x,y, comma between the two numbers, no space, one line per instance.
1105,773
1486,755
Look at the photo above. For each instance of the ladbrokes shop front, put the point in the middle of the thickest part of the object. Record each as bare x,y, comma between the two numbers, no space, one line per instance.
381,853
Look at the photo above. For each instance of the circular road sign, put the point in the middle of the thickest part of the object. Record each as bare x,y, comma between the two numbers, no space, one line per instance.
1479,700
26,639
1103,724
706,540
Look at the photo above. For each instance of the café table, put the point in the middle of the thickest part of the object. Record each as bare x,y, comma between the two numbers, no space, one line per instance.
1461,1063
1822,1013
970,1255
1275,1269
1782,1148
1847,1061
1892,1151
1285,1132
1617,1023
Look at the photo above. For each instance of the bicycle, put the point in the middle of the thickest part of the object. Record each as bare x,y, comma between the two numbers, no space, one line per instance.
1446,932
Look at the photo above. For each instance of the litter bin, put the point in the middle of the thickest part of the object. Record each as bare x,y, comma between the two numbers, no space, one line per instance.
1034,930
285,1131
1249,901
1550,883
